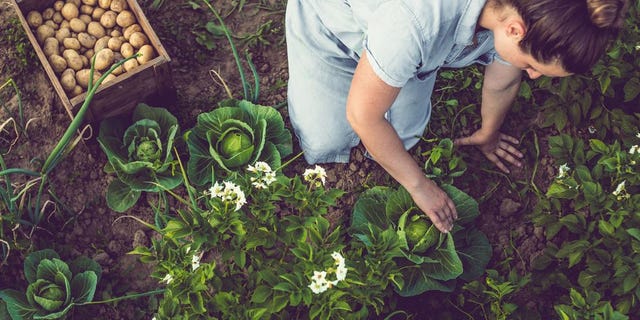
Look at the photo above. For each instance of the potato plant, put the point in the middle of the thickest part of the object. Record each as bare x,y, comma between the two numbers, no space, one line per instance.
73,32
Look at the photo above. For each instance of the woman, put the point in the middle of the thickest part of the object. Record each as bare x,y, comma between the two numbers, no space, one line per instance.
364,70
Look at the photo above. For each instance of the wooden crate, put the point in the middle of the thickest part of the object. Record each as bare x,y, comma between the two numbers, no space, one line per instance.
146,83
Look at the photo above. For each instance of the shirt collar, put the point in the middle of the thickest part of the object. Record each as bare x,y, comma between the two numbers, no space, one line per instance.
466,28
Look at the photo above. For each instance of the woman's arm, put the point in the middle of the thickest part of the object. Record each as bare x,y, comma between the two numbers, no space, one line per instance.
500,88
369,99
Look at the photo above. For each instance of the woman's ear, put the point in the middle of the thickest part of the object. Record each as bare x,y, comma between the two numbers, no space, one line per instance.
516,29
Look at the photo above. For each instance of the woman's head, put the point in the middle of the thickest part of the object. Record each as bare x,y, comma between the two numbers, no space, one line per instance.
572,33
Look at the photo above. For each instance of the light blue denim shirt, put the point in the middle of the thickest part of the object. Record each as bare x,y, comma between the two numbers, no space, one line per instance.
410,38
406,42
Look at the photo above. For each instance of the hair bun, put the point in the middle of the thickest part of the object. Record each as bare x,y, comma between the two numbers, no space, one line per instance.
607,13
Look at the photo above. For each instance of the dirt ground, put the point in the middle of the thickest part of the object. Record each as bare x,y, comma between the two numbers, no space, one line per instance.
84,225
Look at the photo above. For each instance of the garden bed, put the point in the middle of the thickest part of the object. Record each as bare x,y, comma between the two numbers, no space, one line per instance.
204,73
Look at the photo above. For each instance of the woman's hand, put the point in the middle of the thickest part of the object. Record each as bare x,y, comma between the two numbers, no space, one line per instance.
496,146
436,204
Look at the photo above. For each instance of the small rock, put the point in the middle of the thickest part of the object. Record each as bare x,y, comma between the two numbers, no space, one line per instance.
508,206
140,239
353,167
101,258
538,232
113,247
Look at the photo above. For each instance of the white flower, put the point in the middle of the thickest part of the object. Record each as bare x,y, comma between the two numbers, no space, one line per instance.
319,276
563,171
634,149
216,190
341,273
167,279
229,193
318,288
338,258
317,175
265,175
195,262
620,188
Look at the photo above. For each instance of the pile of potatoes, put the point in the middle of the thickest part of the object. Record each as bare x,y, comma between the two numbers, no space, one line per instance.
73,31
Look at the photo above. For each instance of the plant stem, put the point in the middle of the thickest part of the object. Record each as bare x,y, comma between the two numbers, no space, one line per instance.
234,51
131,296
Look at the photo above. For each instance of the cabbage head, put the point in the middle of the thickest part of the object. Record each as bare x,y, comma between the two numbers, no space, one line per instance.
139,151
428,259
236,134
54,286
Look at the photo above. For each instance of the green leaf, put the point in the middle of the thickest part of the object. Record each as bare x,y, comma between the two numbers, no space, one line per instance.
82,264
634,232
33,259
370,209
52,269
261,294
577,299
561,190
631,89
466,206
83,286
17,305
474,251
120,197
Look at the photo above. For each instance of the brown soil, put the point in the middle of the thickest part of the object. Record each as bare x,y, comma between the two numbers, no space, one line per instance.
83,224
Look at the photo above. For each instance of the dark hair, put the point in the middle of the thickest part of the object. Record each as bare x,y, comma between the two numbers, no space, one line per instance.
576,32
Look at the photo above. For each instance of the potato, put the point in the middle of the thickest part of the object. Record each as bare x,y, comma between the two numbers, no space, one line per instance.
114,43
130,65
120,69
97,14
126,49
57,18
34,19
104,4
86,40
57,6
96,29
77,25
85,9
108,19
68,80
43,32
90,2
101,43
70,11
76,2
125,18
72,43
47,13
104,59
51,24
62,34
89,54
50,46
73,59
130,30
85,61
58,63
76,91
109,77
64,24
118,5
138,39
82,77
116,33
146,54
85,18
